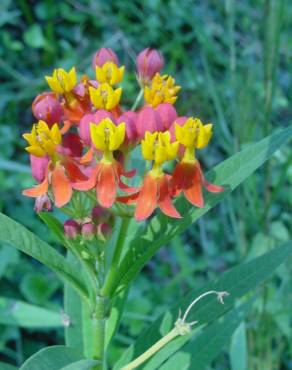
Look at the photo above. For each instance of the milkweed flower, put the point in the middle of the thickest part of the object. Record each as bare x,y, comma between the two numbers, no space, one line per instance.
109,73
85,137
161,90
155,190
106,176
188,176
61,169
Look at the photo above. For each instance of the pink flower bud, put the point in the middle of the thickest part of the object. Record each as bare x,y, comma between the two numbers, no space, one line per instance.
71,229
100,214
130,119
149,62
46,107
167,113
148,120
39,166
104,55
88,230
104,231
84,125
42,203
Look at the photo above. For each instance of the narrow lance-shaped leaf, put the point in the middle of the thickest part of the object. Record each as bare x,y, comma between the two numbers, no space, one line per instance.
18,236
160,230
237,282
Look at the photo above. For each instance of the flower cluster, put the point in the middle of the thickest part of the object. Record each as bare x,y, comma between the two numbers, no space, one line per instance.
84,138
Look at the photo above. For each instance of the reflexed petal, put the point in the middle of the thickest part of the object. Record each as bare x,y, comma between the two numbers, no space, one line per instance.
164,201
147,200
89,183
128,199
193,192
106,187
61,187
38,190
212,188
74,171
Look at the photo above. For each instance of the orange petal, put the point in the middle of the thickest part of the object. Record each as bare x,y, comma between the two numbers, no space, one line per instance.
106,187
66,127
193,192
89,183
212,188
164,201
147,200
38,190
61,187
87,157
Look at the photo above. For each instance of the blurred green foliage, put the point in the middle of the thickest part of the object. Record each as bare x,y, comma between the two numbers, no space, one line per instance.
233,60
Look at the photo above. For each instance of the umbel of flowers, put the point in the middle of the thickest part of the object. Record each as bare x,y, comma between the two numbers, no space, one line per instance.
84,137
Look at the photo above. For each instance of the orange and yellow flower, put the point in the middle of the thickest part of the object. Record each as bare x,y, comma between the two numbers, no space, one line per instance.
188,176
61,81
155,190
61,169
106,176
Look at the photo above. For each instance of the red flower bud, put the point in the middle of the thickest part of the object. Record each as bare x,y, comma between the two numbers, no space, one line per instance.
84,125
39,166
148,120
167,113
71,229
100,214
42,203
104,55
149,62
104,231
130,119
46,107
88,230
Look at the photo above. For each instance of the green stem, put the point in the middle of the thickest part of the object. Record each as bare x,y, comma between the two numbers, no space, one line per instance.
98,331
137,101
107,288
153,349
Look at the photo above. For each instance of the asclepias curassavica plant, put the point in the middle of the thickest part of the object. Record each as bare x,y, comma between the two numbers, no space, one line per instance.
128,182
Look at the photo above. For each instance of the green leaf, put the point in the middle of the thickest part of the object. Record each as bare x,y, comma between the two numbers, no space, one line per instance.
15,234
14,312
81,365
52,358
238,349
54,225
237,282
160,230
206,346
5,366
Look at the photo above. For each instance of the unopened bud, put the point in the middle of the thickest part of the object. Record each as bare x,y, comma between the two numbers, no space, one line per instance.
43,203
99,214
104,231
149,62
104,55
88,231
148,120
167,113
130,119
39,166
46,107
71,229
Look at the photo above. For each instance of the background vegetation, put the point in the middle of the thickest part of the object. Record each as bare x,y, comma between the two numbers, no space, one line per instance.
233,60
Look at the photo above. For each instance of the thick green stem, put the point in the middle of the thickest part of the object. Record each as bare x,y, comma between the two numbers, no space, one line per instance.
107,288
98,331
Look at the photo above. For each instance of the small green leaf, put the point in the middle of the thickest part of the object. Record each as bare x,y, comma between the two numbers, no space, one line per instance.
34,37
160,231
52,358
14,312
15,234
